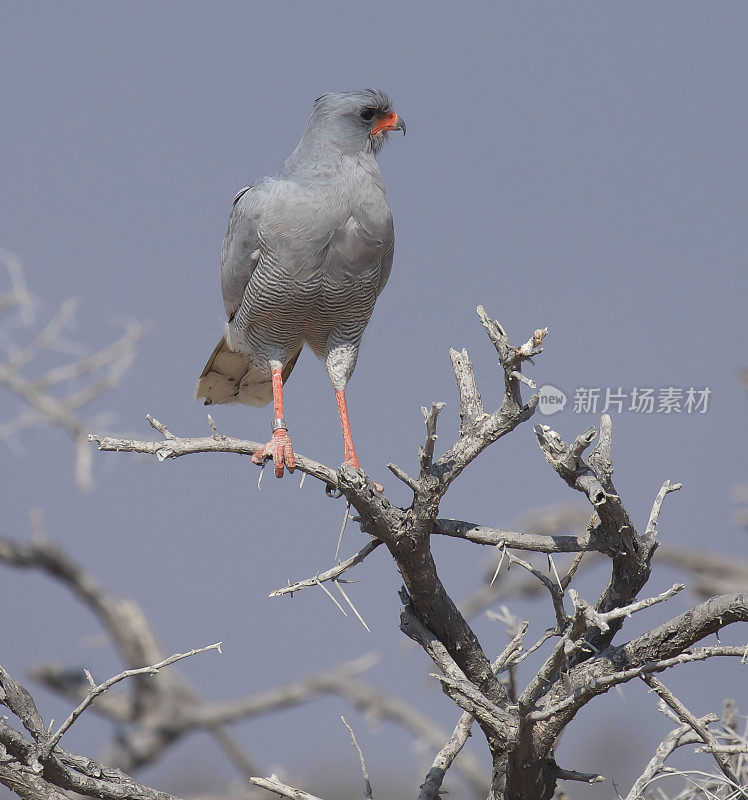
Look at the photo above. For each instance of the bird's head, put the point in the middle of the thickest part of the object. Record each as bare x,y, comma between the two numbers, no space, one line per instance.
355,121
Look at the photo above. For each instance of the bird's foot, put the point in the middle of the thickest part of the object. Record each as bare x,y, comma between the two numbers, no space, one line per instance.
280,449
351,460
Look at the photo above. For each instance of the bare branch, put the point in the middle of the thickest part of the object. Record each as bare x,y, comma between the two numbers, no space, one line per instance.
611,525
329,575
675,739
467,697
177,446
700,728
602,620
368,794
426,453
471,406
601,684
583,777
555,589
402,475
667,487
67,771
273,784
381,705
102,687
446,756
58,395
711,574
481,534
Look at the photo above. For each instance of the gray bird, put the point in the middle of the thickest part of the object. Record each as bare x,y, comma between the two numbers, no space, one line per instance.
305,256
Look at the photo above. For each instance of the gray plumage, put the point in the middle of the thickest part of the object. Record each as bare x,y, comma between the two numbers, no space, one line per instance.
306,254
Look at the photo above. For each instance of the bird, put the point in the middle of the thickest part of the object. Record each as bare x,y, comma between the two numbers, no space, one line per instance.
306,254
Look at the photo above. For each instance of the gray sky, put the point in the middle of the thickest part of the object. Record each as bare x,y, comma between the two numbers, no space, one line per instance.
577,165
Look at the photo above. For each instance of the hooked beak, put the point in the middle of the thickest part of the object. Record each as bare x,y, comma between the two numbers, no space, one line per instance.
389,122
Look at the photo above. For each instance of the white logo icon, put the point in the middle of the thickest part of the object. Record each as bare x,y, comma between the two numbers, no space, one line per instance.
552,400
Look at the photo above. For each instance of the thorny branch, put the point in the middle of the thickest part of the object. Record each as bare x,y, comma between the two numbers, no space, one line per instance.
691,732
23,762
57,395
163,710
584,662
98,690
696,725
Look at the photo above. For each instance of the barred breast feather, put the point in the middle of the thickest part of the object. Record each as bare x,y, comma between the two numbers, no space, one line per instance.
303,261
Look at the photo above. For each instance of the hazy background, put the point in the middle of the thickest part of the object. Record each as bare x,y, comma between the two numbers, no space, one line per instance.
576,165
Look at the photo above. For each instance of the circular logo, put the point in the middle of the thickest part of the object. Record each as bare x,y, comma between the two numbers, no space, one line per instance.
552,400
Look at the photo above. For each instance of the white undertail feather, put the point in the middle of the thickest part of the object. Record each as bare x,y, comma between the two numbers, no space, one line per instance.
230,377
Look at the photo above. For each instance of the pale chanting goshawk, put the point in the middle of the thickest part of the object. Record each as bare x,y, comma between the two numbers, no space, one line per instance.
305,256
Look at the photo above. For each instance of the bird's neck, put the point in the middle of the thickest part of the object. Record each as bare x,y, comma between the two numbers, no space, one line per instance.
325,147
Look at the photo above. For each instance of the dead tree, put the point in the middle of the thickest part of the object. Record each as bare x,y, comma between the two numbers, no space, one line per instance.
521,724
584,661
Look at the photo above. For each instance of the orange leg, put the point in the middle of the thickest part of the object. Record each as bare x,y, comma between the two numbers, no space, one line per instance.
350,458
279,447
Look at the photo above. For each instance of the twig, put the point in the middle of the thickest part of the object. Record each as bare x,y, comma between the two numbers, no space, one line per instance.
102,687
471,406
675,739
583,777
555,589
701,729
273,784
426,453
605,682
654,516
482,534
368,793
57,395
331,574
602,620
402,475
176,447
464,693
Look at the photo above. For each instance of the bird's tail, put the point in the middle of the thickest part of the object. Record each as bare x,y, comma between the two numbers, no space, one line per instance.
231,377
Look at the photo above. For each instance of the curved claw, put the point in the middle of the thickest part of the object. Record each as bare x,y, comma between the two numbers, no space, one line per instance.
280,449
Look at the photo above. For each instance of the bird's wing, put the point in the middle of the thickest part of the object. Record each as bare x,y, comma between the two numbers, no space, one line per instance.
365,241
385,268
240,250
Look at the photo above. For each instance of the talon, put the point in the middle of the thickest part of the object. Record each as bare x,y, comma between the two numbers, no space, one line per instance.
280,450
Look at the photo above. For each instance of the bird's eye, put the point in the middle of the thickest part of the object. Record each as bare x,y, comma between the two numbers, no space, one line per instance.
367,114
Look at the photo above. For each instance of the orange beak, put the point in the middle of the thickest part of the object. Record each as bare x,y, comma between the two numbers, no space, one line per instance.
389,122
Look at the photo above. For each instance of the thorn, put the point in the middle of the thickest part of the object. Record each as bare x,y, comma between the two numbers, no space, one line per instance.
342,528
350,603
213,429
329,594
502,548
